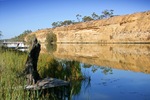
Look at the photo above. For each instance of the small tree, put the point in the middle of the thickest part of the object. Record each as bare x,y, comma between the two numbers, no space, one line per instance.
67,22
105,13
57,24
50,39
86,18
111,13
108,13
78,17
95,16
54,24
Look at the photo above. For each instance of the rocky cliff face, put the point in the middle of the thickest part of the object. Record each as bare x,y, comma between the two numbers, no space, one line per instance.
126,28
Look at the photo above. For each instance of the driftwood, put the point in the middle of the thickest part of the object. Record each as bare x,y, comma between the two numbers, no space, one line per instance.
47,83
30,71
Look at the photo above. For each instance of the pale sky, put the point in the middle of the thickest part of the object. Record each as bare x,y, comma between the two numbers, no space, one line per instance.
16,16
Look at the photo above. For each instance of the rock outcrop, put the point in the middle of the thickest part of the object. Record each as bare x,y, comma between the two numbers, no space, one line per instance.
126,28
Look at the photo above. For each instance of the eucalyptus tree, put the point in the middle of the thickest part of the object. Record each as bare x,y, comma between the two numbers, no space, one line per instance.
57,24
95,16
87,18
107,13
54,24
111,13
78,17
66,22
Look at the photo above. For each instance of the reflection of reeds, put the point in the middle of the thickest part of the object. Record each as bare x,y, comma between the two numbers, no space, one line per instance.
66,70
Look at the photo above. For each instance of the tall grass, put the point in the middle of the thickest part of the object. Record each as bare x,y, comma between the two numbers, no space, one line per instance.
11,63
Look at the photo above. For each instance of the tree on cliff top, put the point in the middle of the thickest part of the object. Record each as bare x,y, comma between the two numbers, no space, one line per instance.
107,13
95,16
87,18
78,17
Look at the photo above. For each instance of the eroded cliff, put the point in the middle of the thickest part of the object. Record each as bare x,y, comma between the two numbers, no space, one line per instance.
126,28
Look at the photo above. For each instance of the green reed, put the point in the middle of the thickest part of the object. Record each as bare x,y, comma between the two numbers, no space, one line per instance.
11,63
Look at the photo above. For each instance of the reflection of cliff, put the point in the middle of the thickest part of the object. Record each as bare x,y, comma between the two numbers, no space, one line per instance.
126,57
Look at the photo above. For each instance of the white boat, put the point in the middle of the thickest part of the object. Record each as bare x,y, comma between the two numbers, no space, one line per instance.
17,45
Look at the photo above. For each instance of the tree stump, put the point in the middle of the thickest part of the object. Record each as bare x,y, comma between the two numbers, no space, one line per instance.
30,71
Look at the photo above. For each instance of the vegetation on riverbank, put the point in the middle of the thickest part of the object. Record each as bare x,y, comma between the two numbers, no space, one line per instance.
12,64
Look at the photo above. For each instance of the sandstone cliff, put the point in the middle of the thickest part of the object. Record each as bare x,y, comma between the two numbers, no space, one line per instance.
125,28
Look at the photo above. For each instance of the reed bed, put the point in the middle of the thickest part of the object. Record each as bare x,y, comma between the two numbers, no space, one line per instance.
11,63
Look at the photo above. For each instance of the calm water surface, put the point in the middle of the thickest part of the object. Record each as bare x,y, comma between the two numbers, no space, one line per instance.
118,84
117,72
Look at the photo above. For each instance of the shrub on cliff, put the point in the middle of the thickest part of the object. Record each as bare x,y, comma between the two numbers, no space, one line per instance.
51,38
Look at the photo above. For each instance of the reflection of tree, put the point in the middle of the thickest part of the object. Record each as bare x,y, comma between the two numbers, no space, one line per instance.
107,70
94,69
86,65
51,47
50,42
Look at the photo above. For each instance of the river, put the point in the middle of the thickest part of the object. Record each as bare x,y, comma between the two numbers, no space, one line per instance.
115,71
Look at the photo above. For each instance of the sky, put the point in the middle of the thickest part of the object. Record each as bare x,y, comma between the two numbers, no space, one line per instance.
16,16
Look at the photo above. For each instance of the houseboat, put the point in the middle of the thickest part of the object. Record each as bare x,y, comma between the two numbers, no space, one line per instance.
15,45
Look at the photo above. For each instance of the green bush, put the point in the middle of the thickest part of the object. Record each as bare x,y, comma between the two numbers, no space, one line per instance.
51,38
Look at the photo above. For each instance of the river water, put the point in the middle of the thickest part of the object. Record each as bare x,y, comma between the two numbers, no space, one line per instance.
115,72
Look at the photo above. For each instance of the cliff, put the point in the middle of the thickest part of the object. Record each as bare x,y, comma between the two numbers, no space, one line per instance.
126,28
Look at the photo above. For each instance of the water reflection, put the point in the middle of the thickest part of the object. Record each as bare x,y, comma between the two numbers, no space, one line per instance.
107,72
73,71
126,57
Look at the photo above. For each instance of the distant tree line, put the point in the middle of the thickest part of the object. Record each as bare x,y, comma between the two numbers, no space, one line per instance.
22,36
105,14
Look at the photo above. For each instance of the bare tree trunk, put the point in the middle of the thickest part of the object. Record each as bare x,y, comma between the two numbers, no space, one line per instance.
30,71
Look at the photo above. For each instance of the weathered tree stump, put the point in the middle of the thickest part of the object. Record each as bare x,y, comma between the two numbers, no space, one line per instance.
34,81
30,71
